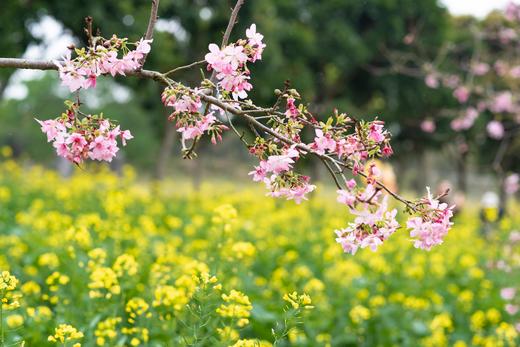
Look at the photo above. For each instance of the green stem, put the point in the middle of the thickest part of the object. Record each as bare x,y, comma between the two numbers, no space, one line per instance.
2,341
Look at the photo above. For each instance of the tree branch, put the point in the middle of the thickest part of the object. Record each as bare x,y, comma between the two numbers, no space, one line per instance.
151,25
17,63
231,23
161,78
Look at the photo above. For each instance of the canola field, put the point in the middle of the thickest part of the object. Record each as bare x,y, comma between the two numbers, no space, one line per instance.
104,260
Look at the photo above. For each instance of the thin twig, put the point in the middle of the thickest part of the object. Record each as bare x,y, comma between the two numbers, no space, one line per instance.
331,172
184,67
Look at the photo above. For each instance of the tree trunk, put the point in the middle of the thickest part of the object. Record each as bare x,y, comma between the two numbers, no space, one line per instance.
165,151
462,173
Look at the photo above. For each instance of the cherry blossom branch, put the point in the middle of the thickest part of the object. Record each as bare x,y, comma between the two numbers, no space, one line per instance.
341,142
162,78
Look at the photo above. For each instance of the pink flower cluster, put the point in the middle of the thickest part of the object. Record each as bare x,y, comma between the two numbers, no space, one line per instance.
509,294
495,130
432,224
276,172
229,63
76,142
512,183
512,11
82,71
186,110
198,128
352,146
373,223
466,121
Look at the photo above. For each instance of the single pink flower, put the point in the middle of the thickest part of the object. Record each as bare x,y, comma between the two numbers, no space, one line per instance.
495,130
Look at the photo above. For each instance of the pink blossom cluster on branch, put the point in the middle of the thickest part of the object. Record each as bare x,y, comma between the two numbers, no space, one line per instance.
99,59
79,137
230,63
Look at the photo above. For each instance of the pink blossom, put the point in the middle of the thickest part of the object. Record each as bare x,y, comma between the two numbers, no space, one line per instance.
238,84
255,41
371,241
323,142
215,58
279,163
461,94
234,56
291,111
371,227
495,130
515,71
451,81
480,69
90,82
191,131
506,35
299,192
508,293
512,11
51,128
62,149
348,241
512,309
387,150
143,46
102,148
432,80
346,197
512,184
428,126
260,172
187,104
465,122
351,183
430,228
376,132
502,102
125,135
77,142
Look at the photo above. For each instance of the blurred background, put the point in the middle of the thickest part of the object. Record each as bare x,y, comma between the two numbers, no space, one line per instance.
338,54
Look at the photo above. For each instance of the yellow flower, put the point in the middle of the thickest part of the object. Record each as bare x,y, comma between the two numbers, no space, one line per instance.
493,316
237,306
106,330
359,313
7,281
477,321
298,301
14,321
103,283
125,264
136,307
64,333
